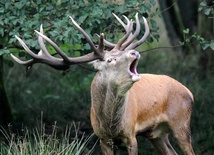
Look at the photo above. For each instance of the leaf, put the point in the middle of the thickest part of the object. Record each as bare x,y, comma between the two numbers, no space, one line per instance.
131,3
205,46
202,40
66,47
153,2
187,41
1,52
181,43
4,51
51,49
150,39
156,36
200,9
142,9
186,31
87,47
203,3
77,53
7,4
148,6
78,47
1,32
1,10
212,45
207,11
153,23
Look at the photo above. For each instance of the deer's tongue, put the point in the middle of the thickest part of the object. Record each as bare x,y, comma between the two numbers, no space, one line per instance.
133,67
133,70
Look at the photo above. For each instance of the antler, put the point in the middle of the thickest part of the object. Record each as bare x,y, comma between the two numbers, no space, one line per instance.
131,37
64,62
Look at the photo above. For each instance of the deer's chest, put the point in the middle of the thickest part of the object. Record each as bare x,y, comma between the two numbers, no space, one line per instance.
107,127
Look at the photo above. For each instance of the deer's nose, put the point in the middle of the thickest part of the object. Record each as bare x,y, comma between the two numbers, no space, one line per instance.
135,54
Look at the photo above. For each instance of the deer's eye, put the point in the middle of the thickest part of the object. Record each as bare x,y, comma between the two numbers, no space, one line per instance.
109,60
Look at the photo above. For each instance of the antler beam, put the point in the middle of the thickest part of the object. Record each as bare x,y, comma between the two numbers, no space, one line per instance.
64,62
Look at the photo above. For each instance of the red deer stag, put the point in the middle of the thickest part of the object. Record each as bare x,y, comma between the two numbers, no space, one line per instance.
125,103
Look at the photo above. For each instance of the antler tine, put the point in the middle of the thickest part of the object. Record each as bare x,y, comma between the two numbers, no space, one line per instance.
101,42
128,32
45,55
27,63
58,50
26,47
133,36
99,53
44,50
139,42
125,26
107,43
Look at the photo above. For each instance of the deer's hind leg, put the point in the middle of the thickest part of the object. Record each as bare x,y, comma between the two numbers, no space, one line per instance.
163,145
181,129
183,136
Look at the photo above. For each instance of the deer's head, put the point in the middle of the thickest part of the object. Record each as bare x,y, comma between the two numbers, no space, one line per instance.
118,63
119,66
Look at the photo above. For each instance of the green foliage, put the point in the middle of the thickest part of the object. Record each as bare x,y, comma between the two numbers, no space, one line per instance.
206,9
23,17
196,39
4,51
39,141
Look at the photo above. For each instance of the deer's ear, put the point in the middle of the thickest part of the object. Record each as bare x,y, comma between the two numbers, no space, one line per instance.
97,64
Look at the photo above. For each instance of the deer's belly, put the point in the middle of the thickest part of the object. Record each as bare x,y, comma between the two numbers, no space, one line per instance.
154,127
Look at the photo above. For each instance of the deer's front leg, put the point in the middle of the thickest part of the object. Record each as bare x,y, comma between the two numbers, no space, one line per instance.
131,144
107,147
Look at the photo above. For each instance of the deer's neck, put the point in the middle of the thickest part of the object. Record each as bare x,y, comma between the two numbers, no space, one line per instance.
109,100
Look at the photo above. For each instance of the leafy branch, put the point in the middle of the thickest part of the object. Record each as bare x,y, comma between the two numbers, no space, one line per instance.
207,9
189,40
196,38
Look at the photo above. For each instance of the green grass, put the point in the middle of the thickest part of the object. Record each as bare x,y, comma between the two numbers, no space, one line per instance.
41,142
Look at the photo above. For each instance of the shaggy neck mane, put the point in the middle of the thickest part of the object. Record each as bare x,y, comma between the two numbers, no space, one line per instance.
110,101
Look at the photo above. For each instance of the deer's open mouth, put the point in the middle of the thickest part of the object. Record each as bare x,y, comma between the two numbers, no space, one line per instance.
133,70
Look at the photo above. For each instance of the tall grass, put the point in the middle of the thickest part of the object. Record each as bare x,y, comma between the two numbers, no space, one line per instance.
40,142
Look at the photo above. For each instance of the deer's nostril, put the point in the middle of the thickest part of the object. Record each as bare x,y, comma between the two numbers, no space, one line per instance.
136,54
133,53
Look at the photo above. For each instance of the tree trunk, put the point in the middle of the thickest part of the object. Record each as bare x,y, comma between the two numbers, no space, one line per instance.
182,14
169,21
179,15
5,111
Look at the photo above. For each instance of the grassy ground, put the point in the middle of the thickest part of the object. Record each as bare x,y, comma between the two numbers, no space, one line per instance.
41,142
